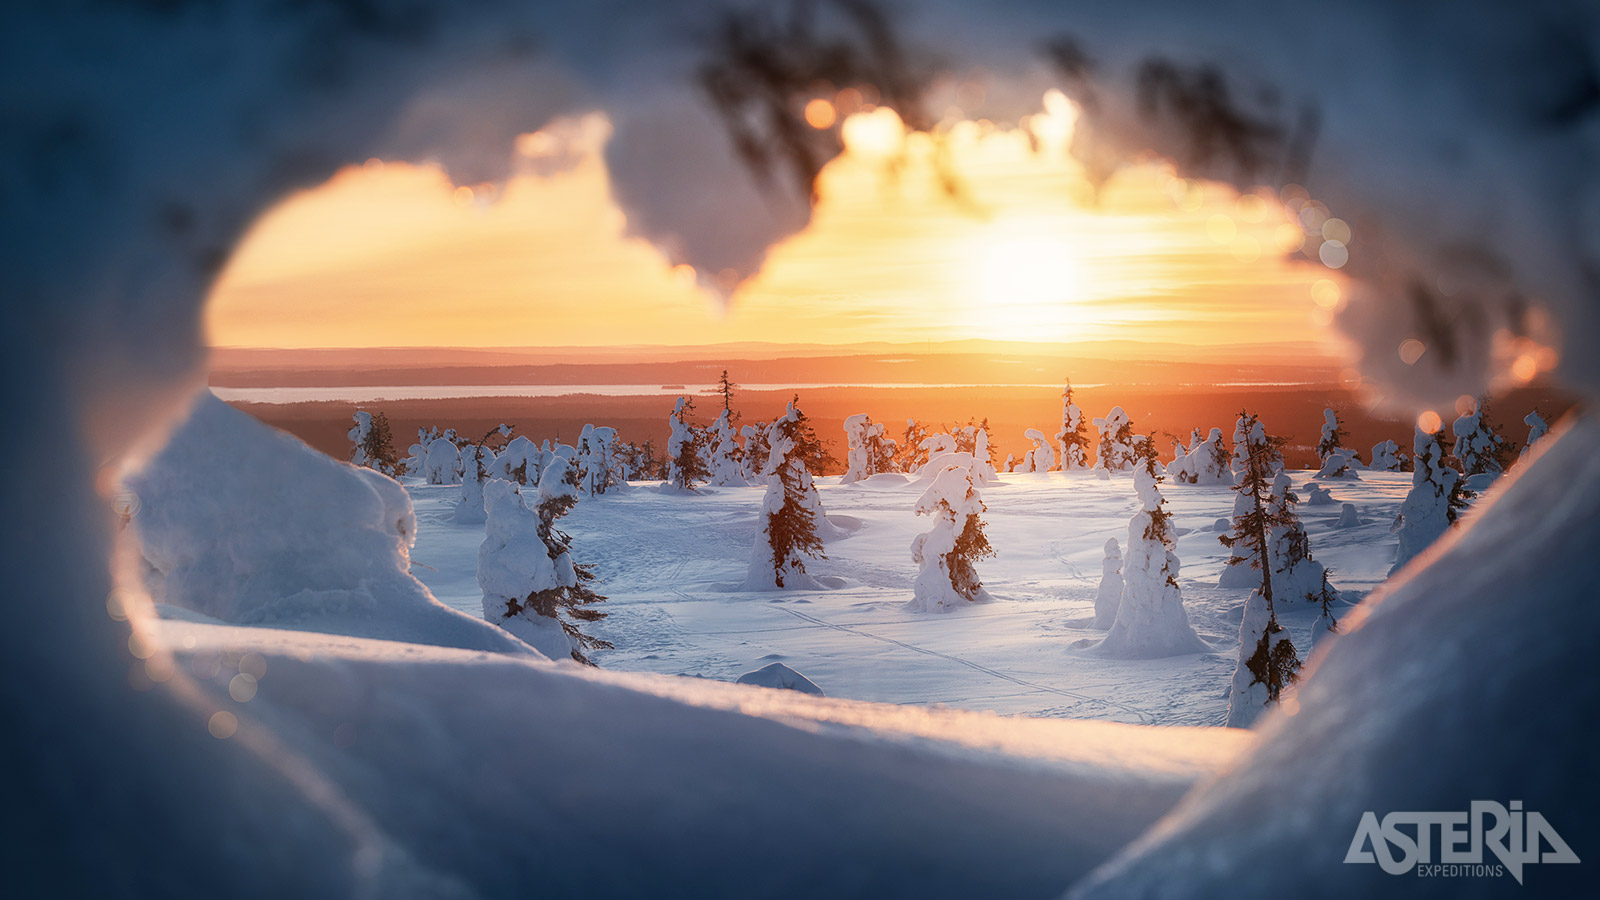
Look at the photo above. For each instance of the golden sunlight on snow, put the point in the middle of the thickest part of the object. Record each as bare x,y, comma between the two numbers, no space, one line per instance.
977,232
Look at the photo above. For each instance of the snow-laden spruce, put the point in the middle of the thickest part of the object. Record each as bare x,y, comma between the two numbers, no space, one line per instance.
791,518
1479,447
1386,457
1151,621
531,585
909,455
1072,443
1339,463
1109,596
1270,535
727,458
1116,451
476,462
443,462
417,454
685,465
1332,438
753,453
373,445
1537,428
1430,507
931,448
1295,573
868,451
1326,597
946,553
599,471
520,460
1248,430
1041,458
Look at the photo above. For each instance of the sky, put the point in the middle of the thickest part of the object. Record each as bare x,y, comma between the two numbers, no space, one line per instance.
1024,248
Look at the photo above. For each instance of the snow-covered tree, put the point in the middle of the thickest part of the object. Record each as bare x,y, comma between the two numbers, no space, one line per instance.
1268,661
1386,457
598,470
755,451
1537,428
910,457
1479,447
947,553
442,465
1042,458
1432,504
1071,441
1339,463
1151,621
1332,436
1182,469
417,454
1295,573
374,445
725,388
1109,597
1244,562
727,458
791,512
1326,622
1209,460
685,467
520,461
531,585
1116,450
973,438
868,452
932,447
476,462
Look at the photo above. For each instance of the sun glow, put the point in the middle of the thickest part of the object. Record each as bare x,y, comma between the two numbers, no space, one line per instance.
978,230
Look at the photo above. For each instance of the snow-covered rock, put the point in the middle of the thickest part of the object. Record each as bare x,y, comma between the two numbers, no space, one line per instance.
777,675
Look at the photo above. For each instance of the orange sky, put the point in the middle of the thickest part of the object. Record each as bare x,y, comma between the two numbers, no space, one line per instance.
395,255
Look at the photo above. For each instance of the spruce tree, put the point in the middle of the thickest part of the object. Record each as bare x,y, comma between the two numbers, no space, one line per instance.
1266,655
572,599
1071,442
909,456
686,466
1333,435
725,388
790,510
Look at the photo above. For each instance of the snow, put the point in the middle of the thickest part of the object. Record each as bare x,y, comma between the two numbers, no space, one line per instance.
1451,682
1426,513
304,542
476,463
1041,458
1386,457
778,675
1537,429
727,457
1348,518
1151,621
1109,596
513,563
520,460
945,577
443,462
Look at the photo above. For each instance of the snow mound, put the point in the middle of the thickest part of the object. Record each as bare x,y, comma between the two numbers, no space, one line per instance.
885,479
778,675
1348,518
304,542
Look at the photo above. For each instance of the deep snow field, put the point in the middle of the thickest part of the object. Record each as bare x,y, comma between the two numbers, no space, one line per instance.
669,564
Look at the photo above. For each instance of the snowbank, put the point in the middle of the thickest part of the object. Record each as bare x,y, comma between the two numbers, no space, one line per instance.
303,541
650,785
